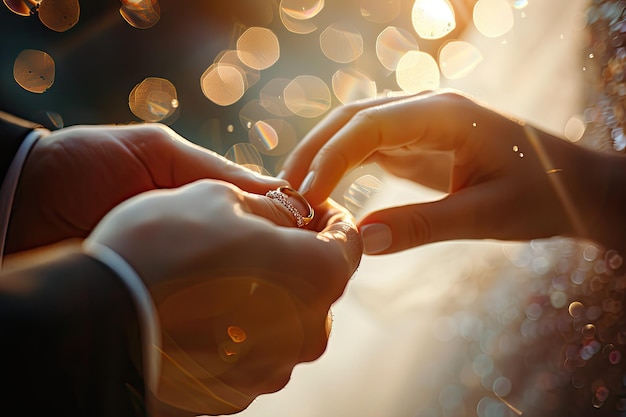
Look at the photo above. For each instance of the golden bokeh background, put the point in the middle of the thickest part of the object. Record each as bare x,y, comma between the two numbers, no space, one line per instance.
248,78
224,73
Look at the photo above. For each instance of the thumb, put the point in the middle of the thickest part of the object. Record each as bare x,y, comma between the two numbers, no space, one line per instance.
194,162
469,214
173,161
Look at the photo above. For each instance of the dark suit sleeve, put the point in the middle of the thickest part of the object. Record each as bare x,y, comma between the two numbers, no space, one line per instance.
69,341
13,130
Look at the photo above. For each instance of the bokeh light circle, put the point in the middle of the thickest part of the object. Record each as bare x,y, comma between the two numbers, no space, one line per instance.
392,43
380,11
417,71
360,192
272,97
301,27
350,85
21,7
34,70
273,137
493,18
50,119
301,9
231,57
263,136
575,128
307,96
244,154
59,15
457,59
520,4
258,48
502,386
251,113
153,100
341,43
141,14
223,84
433,19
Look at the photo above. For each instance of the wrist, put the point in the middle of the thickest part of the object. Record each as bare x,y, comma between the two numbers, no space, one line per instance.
605,208
144,305
9,185
66,317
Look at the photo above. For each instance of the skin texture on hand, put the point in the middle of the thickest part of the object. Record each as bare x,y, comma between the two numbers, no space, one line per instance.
240,298
506,180
75,175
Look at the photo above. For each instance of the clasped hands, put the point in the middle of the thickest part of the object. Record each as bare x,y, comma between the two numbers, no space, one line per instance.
215,253
212,256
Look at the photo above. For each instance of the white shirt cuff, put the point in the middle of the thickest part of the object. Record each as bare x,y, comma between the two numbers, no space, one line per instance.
146,310
9,185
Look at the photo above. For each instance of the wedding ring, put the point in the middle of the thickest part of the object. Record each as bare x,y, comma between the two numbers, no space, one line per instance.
282,194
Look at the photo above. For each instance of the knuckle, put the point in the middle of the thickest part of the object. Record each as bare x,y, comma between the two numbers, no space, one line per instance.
420,228
160,128
316,328
371,122
316,346
347,110
451,94
215,189
159,132
455,98
367,117
333,156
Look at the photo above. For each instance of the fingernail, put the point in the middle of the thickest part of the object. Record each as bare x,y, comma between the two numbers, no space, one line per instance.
281,175
306,184
376,238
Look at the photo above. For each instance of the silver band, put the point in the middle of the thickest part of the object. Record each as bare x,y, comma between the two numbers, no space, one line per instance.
282,194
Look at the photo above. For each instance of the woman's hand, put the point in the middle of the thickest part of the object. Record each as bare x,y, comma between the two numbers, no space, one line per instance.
75,175
505,180
241,300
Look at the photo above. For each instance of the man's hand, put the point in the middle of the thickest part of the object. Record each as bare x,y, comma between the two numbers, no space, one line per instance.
240,299
74,176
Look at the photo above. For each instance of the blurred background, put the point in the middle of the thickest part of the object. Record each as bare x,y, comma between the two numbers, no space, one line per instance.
430,332
220,73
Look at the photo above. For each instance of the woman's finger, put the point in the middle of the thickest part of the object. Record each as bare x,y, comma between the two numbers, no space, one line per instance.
422,123
295,168
463,215
491,210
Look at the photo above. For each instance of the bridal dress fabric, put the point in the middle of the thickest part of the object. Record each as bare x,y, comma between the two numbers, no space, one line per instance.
484,328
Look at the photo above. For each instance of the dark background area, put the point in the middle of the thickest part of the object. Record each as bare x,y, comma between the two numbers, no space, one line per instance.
101,59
